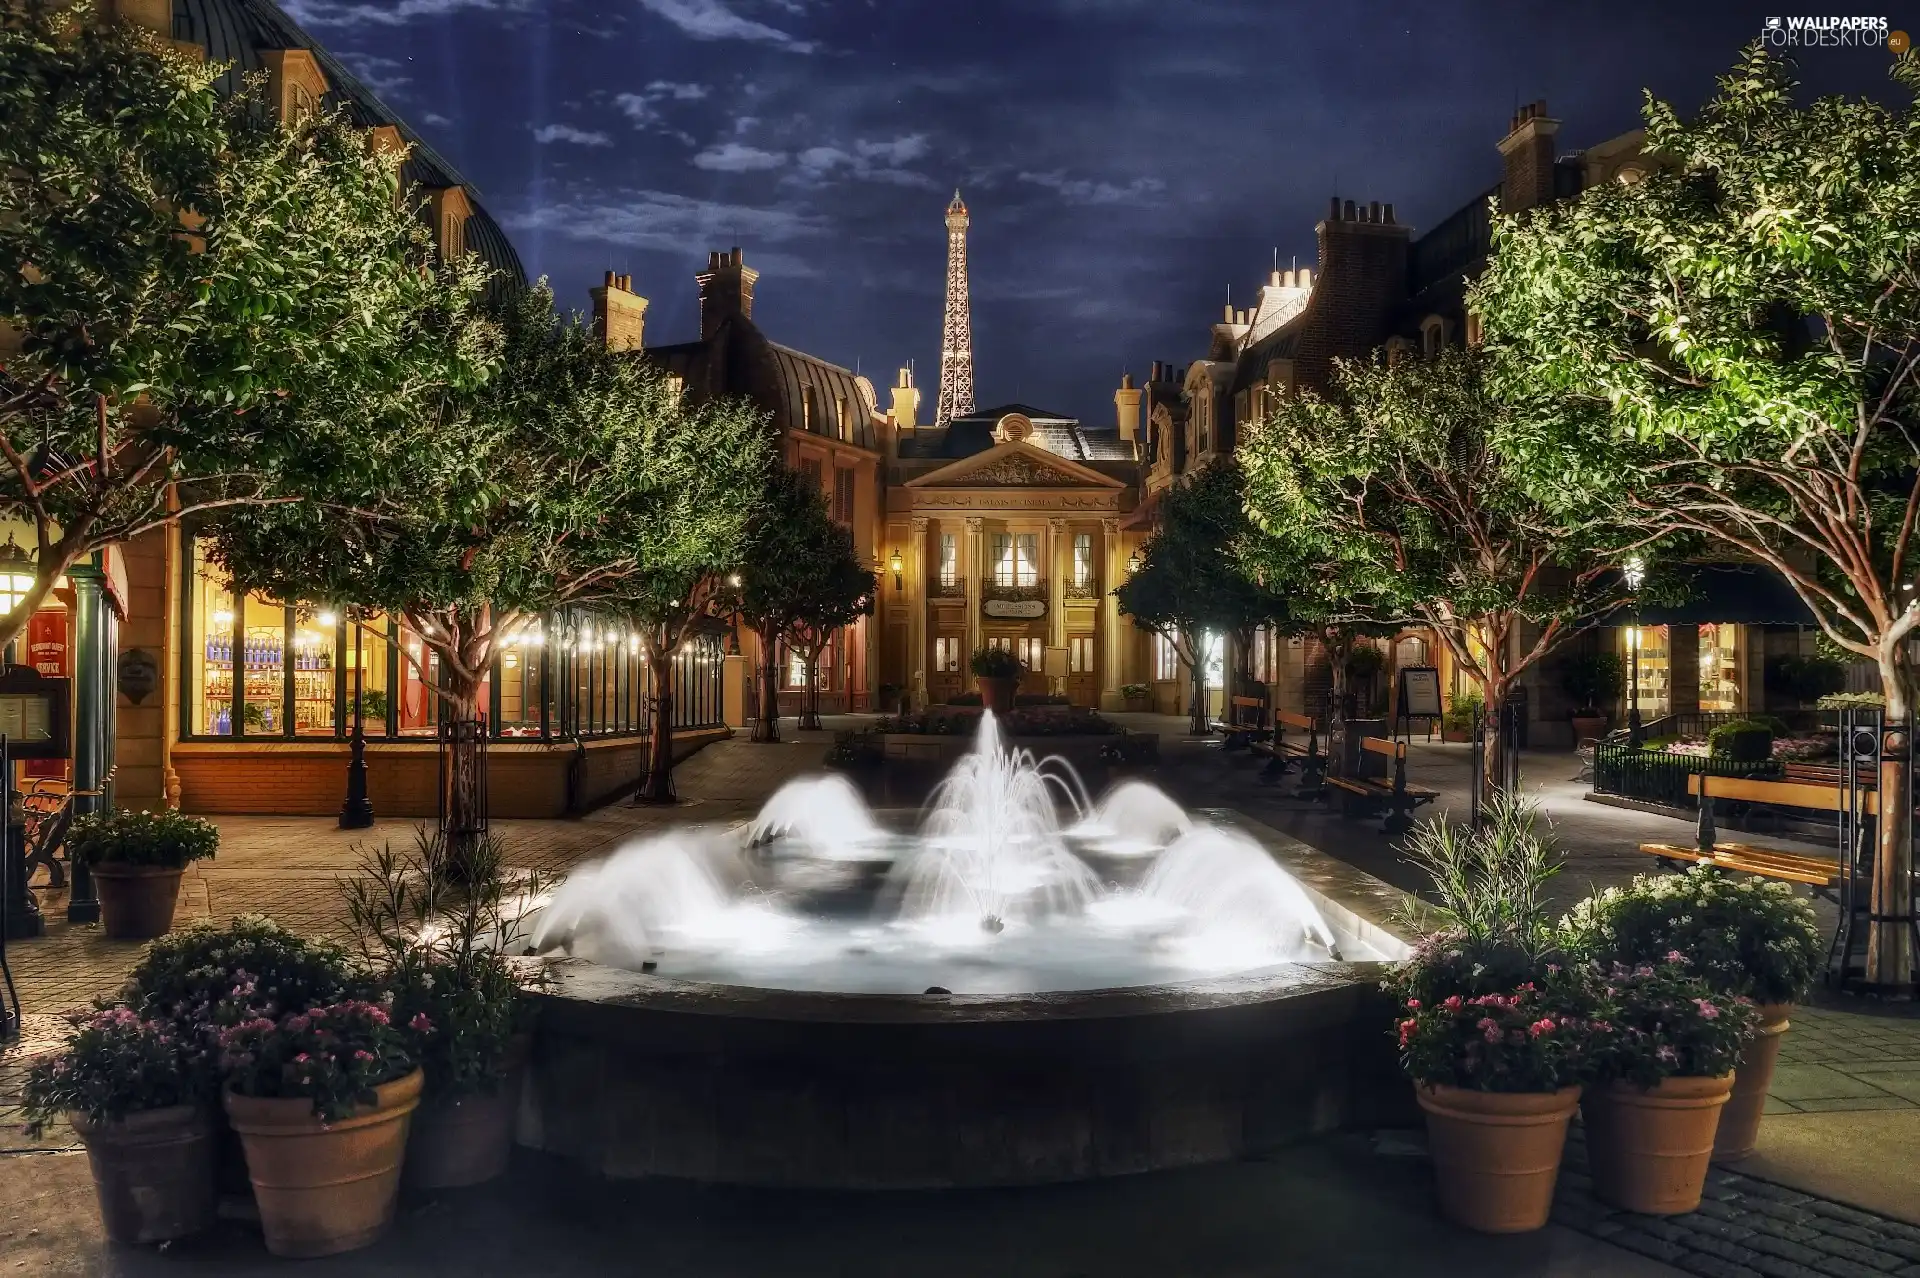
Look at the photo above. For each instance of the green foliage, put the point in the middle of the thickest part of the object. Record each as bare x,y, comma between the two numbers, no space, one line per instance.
113,1064
335,1054
1742,935
1462,710
169,839
1135,691
1726,349
1593,680
1657,1020
196,289
1852,701
801,579
1192,578
1805,679
995,663
1741,740
1393,489
1364,662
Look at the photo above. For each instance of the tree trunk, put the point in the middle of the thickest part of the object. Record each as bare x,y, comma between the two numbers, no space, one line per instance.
1890,957
1493,771
766,725
463,806
656,784
810,695
1197,721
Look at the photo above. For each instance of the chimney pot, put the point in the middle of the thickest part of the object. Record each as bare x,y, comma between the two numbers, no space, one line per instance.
1388,210
1306,277
1348,215
1333,209
1373,211
1229,312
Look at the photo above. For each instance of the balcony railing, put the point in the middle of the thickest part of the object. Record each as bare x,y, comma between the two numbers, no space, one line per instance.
1081,590
955,589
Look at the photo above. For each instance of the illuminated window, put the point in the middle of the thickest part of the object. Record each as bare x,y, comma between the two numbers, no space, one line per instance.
1262,649
1032,653
1216,651
946,654
846,423
453,235
1166,661
1016,559
949,559
1080,654
1083,559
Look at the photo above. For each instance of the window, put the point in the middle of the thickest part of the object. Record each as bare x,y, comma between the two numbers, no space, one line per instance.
840,416
1241,404
843,494
1166,661
1215,658
453,236
1262,648
1032,653
1719,667
1083,559
1202,410
809,408
949,559
1016,559
1079,654
812,468
1433,335
946,654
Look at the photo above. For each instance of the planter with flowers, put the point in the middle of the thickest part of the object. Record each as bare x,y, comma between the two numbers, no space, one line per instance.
321,1100
1742,936
1494,1035
134,1095
1138,696
1664,1044
997,672
136,859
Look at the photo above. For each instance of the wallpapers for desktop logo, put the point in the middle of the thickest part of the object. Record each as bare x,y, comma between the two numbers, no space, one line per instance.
1833,32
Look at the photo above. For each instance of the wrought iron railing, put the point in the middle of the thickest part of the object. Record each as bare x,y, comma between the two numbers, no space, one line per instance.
1696,724
1660,776
951,589
1081,590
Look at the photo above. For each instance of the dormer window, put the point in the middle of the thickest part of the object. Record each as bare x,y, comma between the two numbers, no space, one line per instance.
1433,335
453,235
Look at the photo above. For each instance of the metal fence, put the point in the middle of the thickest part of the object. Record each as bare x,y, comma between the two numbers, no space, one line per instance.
1660,776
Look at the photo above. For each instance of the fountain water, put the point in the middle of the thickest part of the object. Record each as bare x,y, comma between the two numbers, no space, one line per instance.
993,894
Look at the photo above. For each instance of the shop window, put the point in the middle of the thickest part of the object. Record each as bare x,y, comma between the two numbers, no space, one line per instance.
1166,661
1719,667
949,559
1216,651
366,651
1654,671
1083,560
522,650
1079,654
946,654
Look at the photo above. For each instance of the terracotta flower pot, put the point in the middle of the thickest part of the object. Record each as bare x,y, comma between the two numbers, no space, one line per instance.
1496,1155
1588,727
997,694
324,1188
136,901
1649,1150
152,1172
1739,1129
465,1140
1456,735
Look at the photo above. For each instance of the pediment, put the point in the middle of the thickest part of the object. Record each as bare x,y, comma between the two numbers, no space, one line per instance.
1015,464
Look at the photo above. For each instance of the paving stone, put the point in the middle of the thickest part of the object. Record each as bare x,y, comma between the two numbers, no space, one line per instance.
1785,1249
1720,1210
1711,1267
1722,1248
1790,1230
1840,1211
1841,1267
1802,1083
1859,1253
1848,1104
1658,1248
1670,1229
1769,1191
1776,1268
1876,1237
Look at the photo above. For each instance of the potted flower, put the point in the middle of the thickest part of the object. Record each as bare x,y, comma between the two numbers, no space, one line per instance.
1463,710
1743,936
1138,696
321,1100
137,1101
1494,1032
1665,1044
456,994
136,859
1592,681
997,672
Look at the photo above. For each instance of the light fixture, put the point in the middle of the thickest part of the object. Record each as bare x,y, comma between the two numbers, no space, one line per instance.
1635,571
222,617
16,574
899,565
733,579
327,619
1133,563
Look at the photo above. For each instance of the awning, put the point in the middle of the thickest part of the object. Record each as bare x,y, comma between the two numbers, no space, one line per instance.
1731,594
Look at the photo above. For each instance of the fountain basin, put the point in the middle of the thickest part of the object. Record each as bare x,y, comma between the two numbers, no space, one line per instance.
635,1074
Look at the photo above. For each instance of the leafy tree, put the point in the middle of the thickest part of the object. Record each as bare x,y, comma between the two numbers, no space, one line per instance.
800,583
1192,581
1739,335
1395,479
186,279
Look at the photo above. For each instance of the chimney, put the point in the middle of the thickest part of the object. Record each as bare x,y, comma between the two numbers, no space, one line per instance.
906,401
1126,407
726,289
1527,179
619,317
1361,279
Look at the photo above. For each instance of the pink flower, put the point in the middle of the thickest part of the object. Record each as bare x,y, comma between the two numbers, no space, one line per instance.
1675,956
1453,1003
1707,1010
422,1024
297,1024
302,1057
1489,1028
1542,1026
1667,1054
362,1054
1413,1005
1406,1031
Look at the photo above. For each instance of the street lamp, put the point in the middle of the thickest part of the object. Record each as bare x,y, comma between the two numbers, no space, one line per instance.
1635,570
16,579
1133,563
356,812
898,565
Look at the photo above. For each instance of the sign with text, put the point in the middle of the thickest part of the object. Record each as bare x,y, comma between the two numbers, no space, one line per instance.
1025,609
1419,692
34,715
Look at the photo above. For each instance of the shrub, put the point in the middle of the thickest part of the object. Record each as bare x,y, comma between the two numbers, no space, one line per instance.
1461,711
1364,662
1742,740
113,1064
335,1054
1592,680
995,663
1656,1020
1531,1040
168,839
1853,701
1135,691
1805,679
1741,935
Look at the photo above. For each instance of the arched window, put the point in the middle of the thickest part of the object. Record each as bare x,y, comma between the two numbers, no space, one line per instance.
1433,335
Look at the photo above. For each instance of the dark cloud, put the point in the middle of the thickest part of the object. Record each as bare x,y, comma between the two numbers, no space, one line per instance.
1128,163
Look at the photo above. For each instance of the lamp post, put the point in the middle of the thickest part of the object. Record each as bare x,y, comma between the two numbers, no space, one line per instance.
898,566
1635,570
16,579
356,813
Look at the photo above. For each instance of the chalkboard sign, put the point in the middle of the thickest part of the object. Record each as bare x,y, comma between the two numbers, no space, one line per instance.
1419,692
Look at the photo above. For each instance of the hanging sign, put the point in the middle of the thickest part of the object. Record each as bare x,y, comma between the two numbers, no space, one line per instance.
1419,692
47,642
1024,609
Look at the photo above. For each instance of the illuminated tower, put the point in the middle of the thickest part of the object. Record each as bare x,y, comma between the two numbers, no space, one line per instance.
956,334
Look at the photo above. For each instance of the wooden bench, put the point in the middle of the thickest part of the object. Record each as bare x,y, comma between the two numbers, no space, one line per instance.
1400,798
1280,753
1245,723
1820,873
1828,774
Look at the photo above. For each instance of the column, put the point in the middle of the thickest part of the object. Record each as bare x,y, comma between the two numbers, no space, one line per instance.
917,604
94,645
1057,569
1110,698
974,565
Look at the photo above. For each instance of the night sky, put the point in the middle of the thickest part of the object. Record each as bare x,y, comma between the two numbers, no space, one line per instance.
1127,162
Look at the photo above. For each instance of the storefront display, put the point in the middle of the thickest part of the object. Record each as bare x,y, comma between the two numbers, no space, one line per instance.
1719,667
1654,670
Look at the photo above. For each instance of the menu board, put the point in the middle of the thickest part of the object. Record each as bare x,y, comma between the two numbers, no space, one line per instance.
25,717
1419,692
34,714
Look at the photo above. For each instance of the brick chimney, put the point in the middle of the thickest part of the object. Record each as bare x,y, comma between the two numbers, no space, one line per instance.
619,316
1126,408
1527,181
1361,279
726,289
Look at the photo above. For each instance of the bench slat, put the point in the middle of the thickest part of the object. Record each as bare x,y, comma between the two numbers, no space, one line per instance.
1790,794
1771,871
1380,745
1292,720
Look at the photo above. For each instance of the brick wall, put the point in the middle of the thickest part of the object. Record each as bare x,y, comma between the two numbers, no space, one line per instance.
1362,277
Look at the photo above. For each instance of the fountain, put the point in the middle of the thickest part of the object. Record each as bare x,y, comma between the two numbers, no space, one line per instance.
1016,983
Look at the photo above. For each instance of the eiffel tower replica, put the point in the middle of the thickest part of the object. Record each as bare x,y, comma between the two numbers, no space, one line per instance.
956,333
